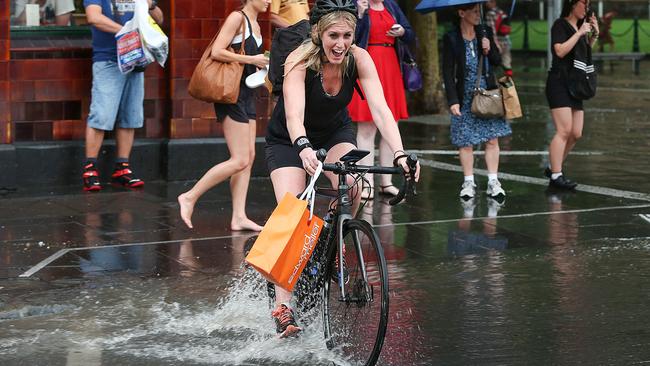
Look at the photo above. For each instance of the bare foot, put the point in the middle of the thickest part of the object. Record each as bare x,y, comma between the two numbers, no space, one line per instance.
187,207
244,225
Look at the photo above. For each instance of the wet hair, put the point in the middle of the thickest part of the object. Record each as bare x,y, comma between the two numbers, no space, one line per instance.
310,51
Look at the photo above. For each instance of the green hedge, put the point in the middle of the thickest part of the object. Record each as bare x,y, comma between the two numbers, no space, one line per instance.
538,35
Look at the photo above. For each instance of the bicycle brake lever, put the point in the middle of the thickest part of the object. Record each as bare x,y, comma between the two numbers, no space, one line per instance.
408,186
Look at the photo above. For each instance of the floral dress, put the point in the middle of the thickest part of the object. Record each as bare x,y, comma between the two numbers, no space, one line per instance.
467,129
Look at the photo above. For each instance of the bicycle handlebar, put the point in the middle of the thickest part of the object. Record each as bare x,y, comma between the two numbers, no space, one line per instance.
408,185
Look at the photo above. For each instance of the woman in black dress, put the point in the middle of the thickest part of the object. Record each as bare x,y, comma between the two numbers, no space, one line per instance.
570,31
238,119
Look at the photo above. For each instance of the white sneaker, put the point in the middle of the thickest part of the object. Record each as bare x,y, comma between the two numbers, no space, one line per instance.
468,189
494,189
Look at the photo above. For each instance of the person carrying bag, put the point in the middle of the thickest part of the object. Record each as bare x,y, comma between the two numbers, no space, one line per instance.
216,81
486,103
288,239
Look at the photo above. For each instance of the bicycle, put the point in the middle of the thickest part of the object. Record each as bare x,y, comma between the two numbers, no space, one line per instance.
359,282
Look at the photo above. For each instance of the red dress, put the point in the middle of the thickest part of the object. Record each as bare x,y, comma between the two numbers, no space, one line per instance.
388,68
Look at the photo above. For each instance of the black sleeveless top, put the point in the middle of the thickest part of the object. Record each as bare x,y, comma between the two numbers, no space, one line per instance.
250,48
324,114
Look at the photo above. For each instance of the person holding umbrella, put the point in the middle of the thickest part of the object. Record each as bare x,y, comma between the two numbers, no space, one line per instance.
463,47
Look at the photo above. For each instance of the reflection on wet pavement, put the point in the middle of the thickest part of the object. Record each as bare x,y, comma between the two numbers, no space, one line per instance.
545,277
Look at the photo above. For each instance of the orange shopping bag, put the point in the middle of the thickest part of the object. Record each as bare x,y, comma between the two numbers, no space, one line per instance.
288,239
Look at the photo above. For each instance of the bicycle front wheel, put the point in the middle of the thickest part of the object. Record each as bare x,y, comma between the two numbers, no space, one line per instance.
355,305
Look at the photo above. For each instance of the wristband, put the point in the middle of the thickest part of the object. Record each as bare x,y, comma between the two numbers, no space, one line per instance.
396,160
398,151
302,143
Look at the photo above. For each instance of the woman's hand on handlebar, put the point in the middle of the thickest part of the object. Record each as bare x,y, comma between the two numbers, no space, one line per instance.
402,162
309,160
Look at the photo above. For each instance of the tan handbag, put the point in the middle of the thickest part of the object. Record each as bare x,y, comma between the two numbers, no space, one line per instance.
216,81
510,98
486,103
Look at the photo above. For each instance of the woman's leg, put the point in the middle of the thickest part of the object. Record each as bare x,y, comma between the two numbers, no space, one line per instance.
466,154
237,138
563,120
286,180
239,188
492,156
366,132
386,159
578,118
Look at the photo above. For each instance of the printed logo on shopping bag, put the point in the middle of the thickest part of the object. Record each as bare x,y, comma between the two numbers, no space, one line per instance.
309,242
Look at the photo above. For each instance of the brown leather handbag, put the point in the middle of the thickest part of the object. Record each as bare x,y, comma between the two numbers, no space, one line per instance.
486,103
216,81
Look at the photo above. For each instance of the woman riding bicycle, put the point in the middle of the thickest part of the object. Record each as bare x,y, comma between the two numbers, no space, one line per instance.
319,78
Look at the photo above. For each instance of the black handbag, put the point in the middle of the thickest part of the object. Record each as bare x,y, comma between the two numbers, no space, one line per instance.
581,77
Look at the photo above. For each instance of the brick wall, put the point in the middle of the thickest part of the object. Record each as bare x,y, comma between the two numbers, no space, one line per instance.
193,25
50,86
5,116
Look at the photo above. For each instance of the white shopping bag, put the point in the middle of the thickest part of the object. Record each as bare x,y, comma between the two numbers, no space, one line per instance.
154,39
130,50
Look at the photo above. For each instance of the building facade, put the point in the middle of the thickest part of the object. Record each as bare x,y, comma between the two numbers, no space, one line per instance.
45,82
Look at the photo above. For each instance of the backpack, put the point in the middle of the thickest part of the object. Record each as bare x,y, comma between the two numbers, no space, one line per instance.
285,41
502,24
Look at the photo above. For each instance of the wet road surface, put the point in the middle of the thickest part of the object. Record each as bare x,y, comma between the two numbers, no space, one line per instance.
544,278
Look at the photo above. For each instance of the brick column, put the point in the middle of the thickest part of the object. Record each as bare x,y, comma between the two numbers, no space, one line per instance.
5,107
193,25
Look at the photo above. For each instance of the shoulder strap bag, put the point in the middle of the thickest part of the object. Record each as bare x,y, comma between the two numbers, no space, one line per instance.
486,103
216,81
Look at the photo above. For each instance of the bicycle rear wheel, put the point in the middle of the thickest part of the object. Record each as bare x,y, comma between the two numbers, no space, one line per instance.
355,321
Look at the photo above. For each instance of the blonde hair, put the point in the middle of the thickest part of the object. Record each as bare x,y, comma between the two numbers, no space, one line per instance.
309,51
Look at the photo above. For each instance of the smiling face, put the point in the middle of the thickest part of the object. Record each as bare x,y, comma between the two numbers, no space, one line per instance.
337,40
471,16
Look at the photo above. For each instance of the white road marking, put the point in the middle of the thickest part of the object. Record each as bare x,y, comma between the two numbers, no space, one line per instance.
542,181
646,217
45,262
504,153
532,214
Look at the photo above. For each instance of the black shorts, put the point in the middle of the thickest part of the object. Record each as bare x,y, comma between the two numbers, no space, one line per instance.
557,93
279,155
243,110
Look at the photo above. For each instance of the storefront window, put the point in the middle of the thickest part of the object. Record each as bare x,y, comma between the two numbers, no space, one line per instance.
37,13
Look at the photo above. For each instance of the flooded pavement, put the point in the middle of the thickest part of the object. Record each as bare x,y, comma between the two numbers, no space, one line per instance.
543,278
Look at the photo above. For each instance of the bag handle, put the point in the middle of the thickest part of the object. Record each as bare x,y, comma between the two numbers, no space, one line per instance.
309,193
479,74
243,30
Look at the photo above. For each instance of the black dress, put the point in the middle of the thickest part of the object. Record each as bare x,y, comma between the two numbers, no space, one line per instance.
245,107
557,89
327,121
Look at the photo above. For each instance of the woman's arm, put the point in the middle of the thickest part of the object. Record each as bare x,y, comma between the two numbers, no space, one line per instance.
400,18
563,49
293,90
381,114
230,28
448,70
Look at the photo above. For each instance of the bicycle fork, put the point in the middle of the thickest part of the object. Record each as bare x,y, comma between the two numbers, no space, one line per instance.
341,273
